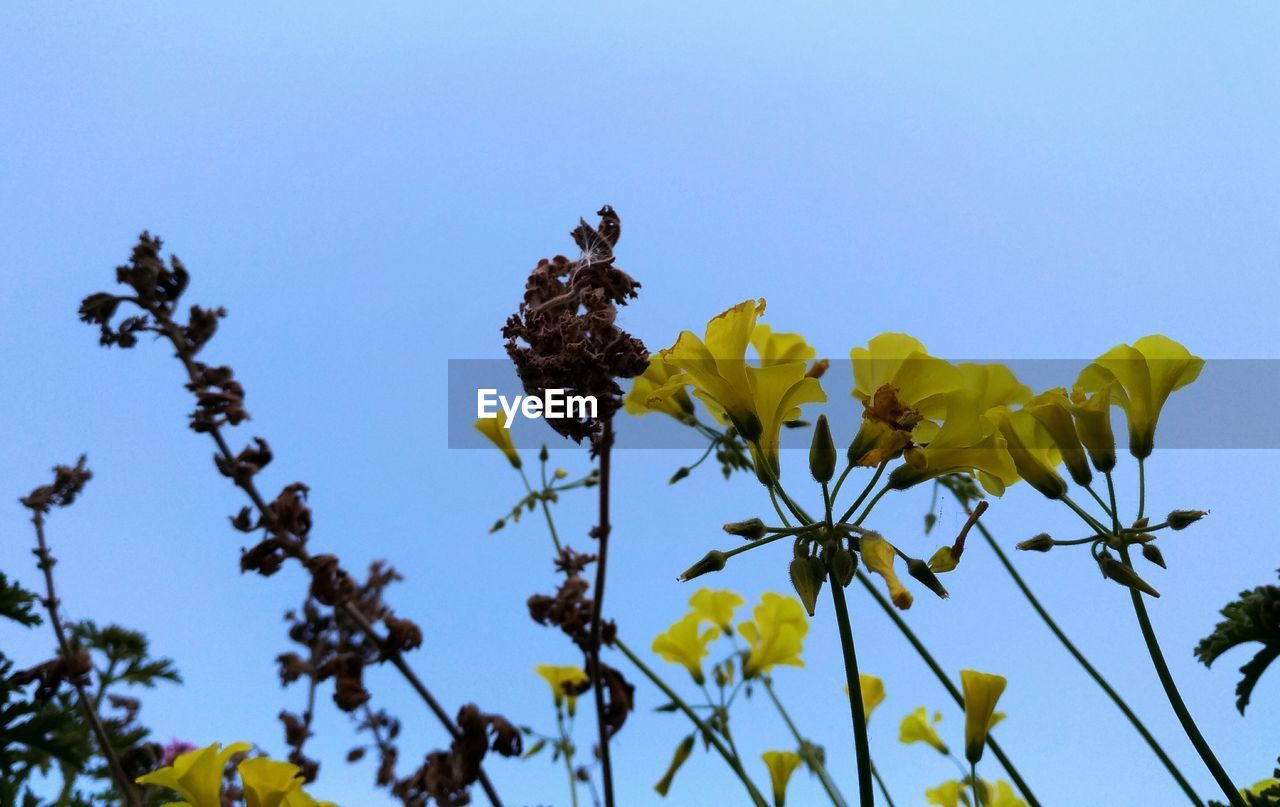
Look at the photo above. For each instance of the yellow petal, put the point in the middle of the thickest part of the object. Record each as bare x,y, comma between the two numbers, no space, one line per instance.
776,348
878,555
781,765
917,727
267,782
981,691
683,644
716,607
872,693
776,635
500,436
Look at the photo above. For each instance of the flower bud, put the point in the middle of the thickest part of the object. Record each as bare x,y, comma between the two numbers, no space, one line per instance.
683,750
497,525
680,473
818,369
921,572
930,519
752,529
842,564
713,561
806,576
543,455
560,473
1152,553
1040,543
822,452
1113,569
1181,519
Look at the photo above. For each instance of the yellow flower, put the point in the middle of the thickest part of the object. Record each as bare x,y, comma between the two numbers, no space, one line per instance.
993,385
1053,411
946,794
716,607
1141,377
1093,423
268,783
902,389
1003,795
777,348
500,436
872,693
878,555
754,400
683,644
652,392
776,636
966,443
196,775
781,765
1034,453
981,691
565,682
918,728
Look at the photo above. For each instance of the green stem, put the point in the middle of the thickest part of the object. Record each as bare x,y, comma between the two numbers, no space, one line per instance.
1084,514
1115,511
946,682
1084,663
977,786
1175,698
867,510
884,791
1142,489
866,796
840,482
546,510
814,763
707,733
1108,510
565,745
865,491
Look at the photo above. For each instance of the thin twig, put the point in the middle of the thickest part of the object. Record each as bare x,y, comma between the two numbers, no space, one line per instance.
348,608
46,562
597,610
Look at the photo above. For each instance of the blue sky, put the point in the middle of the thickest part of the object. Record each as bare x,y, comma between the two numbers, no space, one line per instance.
365,192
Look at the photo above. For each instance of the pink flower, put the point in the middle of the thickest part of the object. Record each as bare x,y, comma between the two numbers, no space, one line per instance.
175,749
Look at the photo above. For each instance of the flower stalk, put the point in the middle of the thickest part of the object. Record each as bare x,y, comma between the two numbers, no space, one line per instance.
604,447
705,730
1084,663
866,794
1175,698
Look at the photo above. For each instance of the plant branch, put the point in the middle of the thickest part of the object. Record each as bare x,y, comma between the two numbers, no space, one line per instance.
1175,698
597,609
46,562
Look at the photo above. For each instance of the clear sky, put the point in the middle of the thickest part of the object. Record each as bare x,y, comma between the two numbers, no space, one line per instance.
365,190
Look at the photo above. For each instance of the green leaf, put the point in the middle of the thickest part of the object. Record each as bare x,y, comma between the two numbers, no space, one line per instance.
17,604
1255,617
